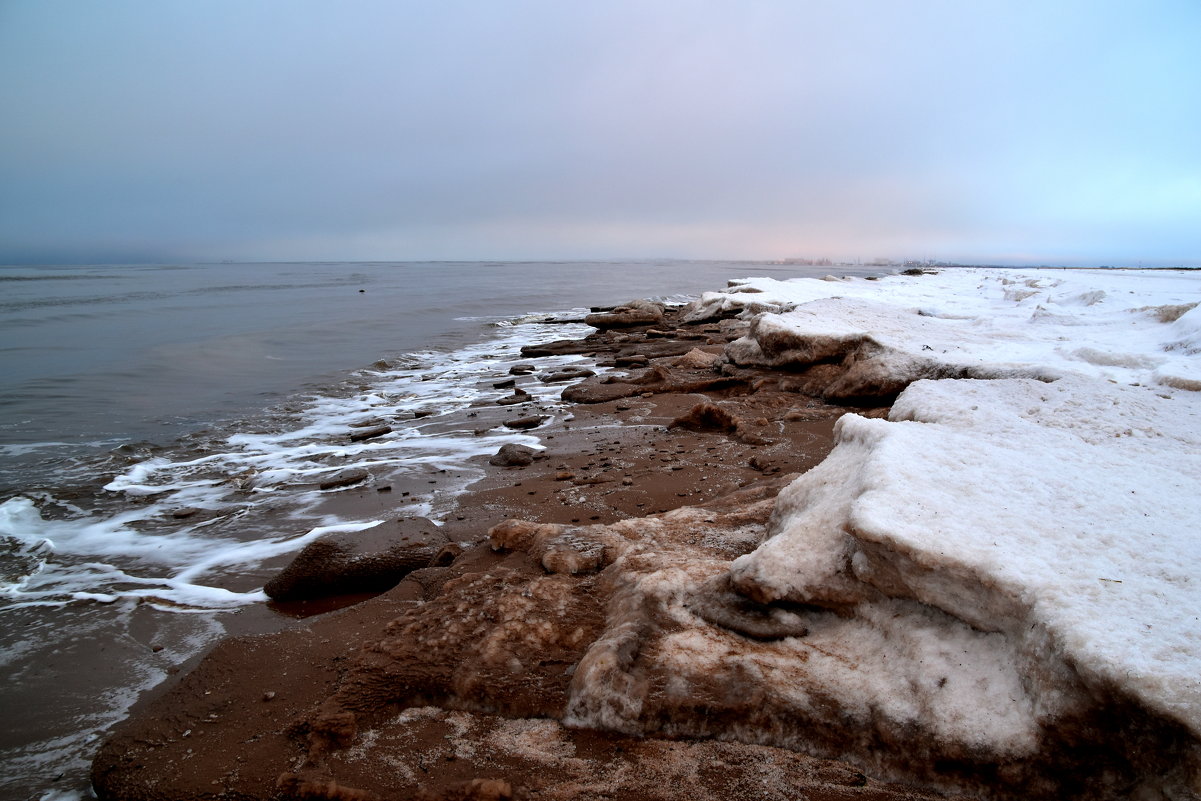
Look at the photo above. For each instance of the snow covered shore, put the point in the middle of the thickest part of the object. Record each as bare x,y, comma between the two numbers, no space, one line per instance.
1046,521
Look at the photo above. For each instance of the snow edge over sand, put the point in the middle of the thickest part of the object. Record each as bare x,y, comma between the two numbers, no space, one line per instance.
1052,506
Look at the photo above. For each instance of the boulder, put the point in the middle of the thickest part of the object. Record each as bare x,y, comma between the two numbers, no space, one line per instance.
636,312
522,423
697,359
567,374
706,417
513,455
372,560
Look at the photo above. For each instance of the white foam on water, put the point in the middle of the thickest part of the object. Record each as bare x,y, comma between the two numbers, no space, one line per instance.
247,481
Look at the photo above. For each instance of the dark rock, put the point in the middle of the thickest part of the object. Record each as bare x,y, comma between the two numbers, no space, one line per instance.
363,561
706,417
513,455
419,413
369,433
519,396
374,422
635,360
508,383
567,374
560,347
344,479
447,555
185,512
522,423
523,369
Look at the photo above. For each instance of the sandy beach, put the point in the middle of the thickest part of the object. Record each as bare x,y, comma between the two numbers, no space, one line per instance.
621,613
639,456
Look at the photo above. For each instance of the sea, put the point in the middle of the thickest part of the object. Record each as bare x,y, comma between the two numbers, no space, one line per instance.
164,430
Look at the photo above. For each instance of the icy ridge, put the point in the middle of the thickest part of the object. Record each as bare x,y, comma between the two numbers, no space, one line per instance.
1125,325
1056,513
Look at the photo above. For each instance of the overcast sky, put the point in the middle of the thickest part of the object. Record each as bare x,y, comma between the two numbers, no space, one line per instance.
1045,131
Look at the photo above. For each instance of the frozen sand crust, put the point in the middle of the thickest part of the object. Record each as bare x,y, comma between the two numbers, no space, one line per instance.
1058,515
1008,558
1066,505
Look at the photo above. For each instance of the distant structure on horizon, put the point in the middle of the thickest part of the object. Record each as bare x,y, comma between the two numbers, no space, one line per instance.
877,262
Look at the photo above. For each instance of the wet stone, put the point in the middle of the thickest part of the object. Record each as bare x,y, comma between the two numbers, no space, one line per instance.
369,433
344,479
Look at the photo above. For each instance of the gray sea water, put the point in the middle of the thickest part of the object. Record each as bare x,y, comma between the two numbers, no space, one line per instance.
130,392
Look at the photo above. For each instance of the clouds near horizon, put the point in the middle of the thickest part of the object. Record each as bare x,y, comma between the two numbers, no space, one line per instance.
1005,131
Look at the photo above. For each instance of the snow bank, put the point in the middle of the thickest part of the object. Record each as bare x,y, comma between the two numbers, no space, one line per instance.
1056,513
1061,515
1125,325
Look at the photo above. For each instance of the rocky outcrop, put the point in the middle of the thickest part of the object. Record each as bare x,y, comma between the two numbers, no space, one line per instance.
371,560
628,315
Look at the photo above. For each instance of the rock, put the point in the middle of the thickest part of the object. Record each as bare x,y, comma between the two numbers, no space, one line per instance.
706,417
658,348
697,359
447,555
522,423
519,396
635,360
372,560
513,455
561,347
369,433
522,369
185,512
596,392
567,374
508,383
344,479
636,312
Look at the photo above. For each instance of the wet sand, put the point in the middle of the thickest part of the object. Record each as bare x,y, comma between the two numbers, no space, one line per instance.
460,681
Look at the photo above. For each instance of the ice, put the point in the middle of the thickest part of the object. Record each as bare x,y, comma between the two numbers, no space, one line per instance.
1055,513
1116,324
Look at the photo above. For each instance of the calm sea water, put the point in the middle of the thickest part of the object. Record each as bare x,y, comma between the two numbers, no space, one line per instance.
130,392
105,354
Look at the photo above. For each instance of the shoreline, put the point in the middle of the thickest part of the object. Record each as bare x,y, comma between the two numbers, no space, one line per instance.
605,462
569,618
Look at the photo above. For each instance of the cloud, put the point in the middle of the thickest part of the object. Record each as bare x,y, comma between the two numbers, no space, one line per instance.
408,130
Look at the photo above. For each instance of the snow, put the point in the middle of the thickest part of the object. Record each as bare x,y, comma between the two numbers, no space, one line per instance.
1053,504
1115,324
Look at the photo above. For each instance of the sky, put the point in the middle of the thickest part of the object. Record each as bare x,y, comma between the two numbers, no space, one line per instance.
1022,131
